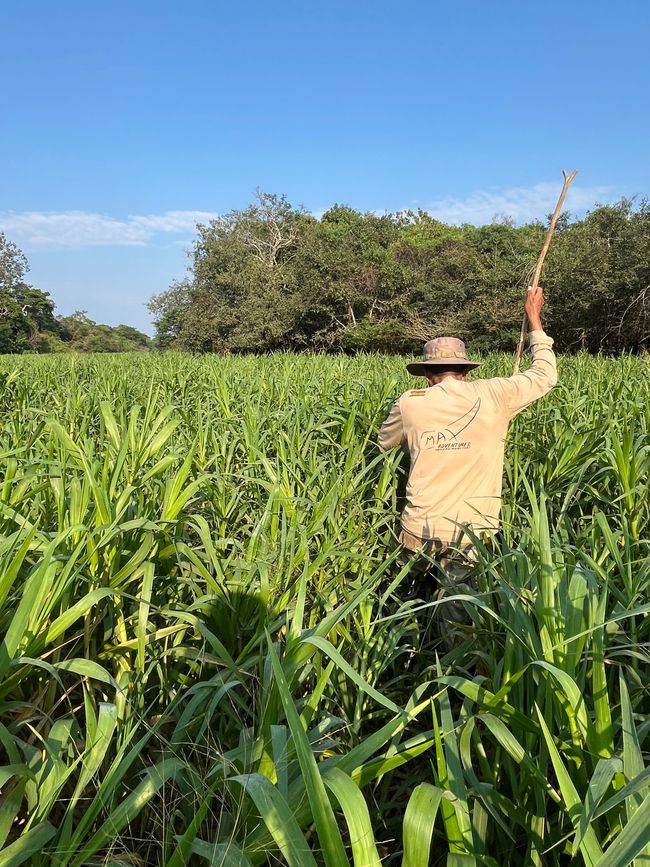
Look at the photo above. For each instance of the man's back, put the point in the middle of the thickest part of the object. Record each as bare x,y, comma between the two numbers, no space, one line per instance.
455,432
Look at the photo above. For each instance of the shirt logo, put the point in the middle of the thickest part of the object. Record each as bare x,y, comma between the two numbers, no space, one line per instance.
446,439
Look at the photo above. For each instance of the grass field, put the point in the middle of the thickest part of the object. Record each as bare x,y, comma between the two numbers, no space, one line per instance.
205,659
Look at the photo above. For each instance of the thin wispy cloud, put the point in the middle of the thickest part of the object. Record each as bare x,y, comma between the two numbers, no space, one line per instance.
75,229
83,229
522,204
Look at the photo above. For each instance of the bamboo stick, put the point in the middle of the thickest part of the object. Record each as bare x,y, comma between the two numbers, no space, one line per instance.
540,261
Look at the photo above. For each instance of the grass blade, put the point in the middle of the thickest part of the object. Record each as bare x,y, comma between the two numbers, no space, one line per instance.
419,819
355,810
328,832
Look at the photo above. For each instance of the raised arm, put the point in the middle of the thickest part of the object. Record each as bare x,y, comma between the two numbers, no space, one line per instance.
391,433
518,391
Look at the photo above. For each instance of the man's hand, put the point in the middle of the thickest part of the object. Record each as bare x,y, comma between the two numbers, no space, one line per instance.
533,306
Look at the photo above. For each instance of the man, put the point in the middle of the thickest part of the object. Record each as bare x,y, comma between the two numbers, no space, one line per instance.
454,431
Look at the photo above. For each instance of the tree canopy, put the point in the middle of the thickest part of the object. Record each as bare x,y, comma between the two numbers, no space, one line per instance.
28,323
272,277
26,313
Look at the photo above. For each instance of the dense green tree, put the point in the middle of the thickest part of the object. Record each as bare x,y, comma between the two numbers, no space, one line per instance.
26,313
13,265
242,296
28,323
274,277
437,263
131,335
168,309
599,280
505,259
82,334
15,332
348,277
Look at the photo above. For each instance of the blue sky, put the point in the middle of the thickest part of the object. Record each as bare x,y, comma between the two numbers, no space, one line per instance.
123,123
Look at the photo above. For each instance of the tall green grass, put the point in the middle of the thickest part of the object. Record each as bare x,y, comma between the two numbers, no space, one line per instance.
207,656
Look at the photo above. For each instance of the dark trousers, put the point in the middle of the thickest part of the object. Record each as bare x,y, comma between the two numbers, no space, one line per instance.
436,575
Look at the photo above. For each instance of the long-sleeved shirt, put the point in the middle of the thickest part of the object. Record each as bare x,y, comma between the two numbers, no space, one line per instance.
455,433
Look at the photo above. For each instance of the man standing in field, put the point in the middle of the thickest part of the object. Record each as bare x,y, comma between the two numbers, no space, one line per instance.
454,431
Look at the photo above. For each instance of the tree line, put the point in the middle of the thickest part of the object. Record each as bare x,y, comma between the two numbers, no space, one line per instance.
28,322
274,277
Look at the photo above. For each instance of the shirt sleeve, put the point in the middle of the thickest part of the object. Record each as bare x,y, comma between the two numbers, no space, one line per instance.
391,433
514,393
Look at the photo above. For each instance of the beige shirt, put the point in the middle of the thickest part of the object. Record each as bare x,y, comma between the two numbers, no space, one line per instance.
455,433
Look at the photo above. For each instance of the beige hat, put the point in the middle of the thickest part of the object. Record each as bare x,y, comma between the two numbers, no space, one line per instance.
442,352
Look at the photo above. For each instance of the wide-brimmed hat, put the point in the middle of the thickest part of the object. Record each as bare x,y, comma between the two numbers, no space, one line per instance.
442,352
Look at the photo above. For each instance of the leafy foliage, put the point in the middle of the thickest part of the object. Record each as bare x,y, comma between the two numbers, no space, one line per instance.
28,323
81,334
207,655
273,277
26,313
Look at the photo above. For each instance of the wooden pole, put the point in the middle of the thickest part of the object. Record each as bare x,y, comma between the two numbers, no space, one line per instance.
540,261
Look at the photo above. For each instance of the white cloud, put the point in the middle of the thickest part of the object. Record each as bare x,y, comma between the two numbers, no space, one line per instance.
522,204
70,229
83,229
172,221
